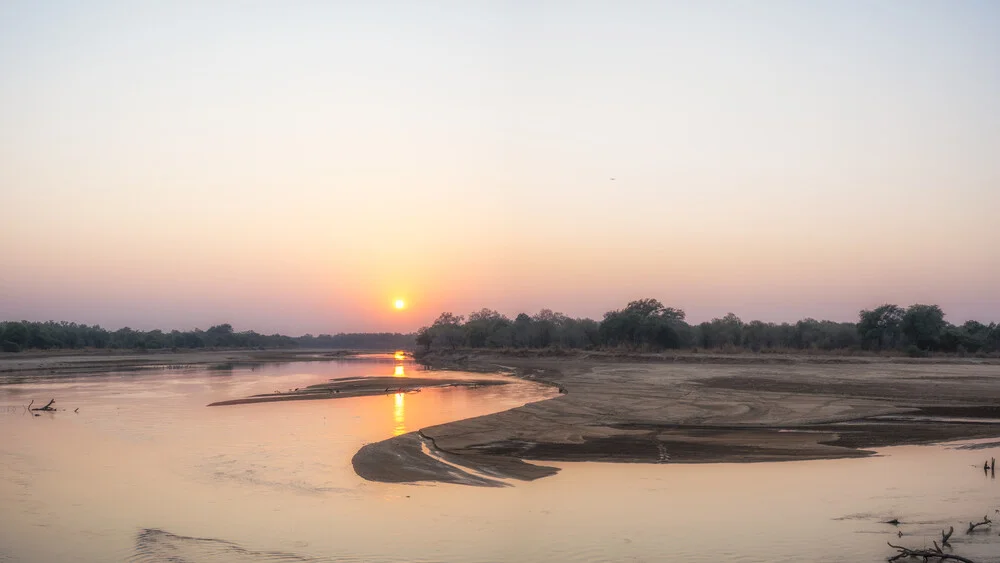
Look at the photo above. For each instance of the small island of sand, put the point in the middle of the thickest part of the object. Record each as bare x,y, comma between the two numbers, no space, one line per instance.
360,387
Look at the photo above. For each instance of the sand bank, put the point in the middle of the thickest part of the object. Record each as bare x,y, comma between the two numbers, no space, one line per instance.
345,387
662,411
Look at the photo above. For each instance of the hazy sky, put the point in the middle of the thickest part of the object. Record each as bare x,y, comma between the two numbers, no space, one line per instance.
296,166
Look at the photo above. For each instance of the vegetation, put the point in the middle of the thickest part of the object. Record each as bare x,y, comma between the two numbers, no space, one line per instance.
23,335
647,325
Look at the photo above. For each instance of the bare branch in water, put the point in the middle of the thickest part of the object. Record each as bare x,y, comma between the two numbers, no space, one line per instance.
972,527
945,536
926,554
47,407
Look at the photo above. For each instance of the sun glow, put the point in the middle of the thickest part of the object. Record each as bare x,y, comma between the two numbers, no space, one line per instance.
400,304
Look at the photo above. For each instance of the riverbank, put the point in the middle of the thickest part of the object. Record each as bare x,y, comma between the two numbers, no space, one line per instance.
660,409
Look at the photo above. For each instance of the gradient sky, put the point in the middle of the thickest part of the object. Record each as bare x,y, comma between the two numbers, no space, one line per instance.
297,166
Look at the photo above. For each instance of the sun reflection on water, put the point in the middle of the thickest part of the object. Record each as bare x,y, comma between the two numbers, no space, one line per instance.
399,371
399,414
399,355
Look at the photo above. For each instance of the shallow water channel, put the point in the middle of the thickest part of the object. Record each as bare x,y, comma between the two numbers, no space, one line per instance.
146,472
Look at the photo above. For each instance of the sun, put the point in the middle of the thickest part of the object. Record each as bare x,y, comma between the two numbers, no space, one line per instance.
400,304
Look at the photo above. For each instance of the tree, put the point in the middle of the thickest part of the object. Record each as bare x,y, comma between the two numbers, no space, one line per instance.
425,338
731,327
224,328
645,324
482,328
17,333
448,330
758,335
922,325
522,331
544,327
644,307
880,328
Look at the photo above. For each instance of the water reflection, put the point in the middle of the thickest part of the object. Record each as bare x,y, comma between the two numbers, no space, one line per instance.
399,371
399,355
399,414
216,485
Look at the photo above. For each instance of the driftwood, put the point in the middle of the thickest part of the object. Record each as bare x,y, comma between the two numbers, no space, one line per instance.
972,527
926,554
47,407
944,536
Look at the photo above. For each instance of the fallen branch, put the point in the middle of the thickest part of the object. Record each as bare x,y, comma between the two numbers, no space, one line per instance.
944,536
47,407
926,554
972,527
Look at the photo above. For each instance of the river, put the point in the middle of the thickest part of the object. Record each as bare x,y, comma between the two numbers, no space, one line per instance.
136,467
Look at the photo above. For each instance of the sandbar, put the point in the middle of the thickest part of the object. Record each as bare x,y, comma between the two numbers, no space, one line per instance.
345,387
736,409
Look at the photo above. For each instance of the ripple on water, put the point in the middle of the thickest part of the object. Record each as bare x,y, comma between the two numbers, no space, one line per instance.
154,545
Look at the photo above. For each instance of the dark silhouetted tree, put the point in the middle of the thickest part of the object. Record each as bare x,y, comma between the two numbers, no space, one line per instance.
922,326
879,328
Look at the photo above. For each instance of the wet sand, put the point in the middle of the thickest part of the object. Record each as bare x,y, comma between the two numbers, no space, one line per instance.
738,409
345,387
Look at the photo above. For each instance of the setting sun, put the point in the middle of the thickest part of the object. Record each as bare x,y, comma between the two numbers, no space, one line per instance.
400,304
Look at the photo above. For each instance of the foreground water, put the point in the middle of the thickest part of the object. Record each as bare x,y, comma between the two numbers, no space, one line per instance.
146,472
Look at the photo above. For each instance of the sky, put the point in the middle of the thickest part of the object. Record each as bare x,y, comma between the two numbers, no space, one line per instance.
298,166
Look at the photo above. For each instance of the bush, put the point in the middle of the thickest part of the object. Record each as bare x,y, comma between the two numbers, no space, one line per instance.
914,352
9,346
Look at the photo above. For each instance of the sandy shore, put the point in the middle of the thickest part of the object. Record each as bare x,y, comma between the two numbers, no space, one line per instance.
738,409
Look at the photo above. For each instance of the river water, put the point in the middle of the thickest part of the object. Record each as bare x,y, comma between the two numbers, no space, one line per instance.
146,472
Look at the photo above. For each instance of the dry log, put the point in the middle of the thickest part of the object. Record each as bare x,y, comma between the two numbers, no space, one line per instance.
926,554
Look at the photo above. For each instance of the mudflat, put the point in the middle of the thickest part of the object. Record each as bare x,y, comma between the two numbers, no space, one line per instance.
702,409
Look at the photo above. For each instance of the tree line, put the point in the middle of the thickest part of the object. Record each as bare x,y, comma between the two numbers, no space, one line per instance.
24,335
646,325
